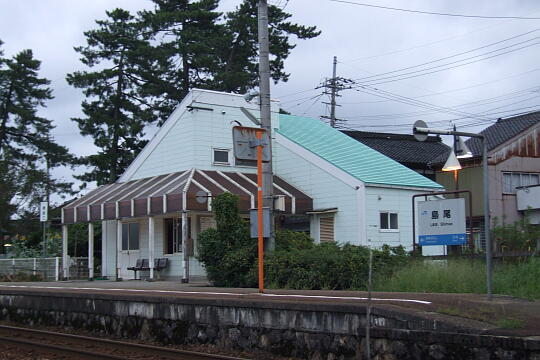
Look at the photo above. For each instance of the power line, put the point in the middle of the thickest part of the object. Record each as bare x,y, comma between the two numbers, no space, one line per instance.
459,54
422,72
436,13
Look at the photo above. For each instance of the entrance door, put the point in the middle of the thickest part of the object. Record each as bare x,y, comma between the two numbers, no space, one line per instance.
130,250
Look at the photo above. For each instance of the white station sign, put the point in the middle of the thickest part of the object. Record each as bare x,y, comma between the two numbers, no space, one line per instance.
441,222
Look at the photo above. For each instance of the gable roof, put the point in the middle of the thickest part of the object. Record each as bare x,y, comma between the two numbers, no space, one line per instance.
351,156
502,131
403,148
497,134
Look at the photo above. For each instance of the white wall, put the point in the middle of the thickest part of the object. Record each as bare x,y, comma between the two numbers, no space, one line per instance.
203,121
379,199
327,191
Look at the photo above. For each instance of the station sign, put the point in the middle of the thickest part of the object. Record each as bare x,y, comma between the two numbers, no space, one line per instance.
43,211
441,222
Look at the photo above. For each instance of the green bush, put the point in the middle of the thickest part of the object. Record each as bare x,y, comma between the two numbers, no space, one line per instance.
328,266
228,253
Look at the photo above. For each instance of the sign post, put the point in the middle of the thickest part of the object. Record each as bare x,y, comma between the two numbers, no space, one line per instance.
441,222
245,140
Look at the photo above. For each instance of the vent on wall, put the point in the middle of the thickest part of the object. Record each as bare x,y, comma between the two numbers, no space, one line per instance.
327,229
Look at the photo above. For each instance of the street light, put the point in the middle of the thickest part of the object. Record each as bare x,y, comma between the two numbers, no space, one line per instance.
421,131
452,163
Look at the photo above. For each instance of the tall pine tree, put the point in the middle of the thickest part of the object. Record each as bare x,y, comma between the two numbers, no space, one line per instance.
27,149
120,93
239,60
207,49
188,34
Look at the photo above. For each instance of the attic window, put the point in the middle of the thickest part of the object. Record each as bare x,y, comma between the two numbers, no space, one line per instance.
221,156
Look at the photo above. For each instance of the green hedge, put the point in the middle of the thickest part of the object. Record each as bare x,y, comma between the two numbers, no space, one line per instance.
229,256
328,266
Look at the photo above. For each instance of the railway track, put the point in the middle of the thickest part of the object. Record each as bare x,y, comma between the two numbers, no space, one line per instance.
89,348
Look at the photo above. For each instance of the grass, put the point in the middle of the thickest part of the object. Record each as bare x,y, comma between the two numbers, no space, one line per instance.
465,276
509,323
483,314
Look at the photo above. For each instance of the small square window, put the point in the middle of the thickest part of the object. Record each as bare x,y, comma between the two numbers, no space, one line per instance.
389,221
221,156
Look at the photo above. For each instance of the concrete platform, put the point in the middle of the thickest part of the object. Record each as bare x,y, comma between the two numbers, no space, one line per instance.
290,322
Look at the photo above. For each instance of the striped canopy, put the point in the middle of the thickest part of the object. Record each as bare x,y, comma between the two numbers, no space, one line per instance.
190,190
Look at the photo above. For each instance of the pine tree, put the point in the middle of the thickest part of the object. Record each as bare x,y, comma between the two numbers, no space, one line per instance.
26,146
188,34
120,93
239,56
207,49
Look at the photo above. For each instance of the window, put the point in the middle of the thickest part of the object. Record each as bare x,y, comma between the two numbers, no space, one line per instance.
221,156
389,221
511,180
130,236
173,235
326,233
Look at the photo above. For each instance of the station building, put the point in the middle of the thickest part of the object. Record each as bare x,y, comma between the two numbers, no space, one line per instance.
343,190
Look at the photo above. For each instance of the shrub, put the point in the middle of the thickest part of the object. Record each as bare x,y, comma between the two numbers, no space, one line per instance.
329,266
228,253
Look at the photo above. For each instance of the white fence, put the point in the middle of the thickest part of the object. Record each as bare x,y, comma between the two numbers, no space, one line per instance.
49,268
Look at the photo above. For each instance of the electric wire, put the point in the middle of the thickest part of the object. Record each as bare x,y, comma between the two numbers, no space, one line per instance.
435,13
458,54
422,72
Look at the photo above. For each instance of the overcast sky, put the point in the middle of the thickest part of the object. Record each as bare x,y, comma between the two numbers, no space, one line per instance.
501,79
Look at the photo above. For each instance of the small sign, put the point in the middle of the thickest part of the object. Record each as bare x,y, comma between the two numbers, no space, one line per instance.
441,222
245,143
254,223
43,211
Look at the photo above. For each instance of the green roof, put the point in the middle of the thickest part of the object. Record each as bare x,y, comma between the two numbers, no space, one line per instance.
348,154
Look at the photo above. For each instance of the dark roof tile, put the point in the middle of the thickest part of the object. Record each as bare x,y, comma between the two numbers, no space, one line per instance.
401,147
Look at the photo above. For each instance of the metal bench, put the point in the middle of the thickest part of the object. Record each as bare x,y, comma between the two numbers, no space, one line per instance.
144,265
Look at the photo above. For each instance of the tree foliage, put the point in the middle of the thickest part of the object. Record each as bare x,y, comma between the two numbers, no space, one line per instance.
27,149
120,93
144,64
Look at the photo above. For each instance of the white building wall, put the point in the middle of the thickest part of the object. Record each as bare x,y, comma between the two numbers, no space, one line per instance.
327,191
381,199
203,121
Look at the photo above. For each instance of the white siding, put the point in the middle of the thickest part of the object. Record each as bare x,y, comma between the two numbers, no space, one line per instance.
380,199
187,138
327,191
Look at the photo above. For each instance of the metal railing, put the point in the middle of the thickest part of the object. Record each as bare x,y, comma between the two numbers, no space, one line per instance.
50,269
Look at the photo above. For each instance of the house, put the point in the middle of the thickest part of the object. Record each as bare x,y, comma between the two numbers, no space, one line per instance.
405,149
349,192
514,161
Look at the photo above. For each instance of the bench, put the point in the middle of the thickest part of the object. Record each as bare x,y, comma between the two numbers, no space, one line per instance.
144,265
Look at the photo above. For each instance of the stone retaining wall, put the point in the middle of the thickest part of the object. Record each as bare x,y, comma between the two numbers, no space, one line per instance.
310,331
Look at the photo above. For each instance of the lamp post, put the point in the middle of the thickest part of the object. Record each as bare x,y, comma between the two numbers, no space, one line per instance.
420,131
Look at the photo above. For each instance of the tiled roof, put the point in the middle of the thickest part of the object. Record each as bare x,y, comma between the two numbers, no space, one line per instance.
503,130
349,155
498,133
403,148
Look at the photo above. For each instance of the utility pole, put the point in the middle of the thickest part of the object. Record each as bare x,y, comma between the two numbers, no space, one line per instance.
332,87
264,90
333,95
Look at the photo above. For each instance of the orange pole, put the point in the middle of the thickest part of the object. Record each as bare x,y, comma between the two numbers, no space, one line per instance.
260,213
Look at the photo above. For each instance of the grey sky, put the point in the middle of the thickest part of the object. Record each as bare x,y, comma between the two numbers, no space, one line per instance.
366,41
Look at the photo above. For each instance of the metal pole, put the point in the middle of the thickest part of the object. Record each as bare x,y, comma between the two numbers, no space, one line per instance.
90,251
333,95
185,255
486,218
264,90
368,310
